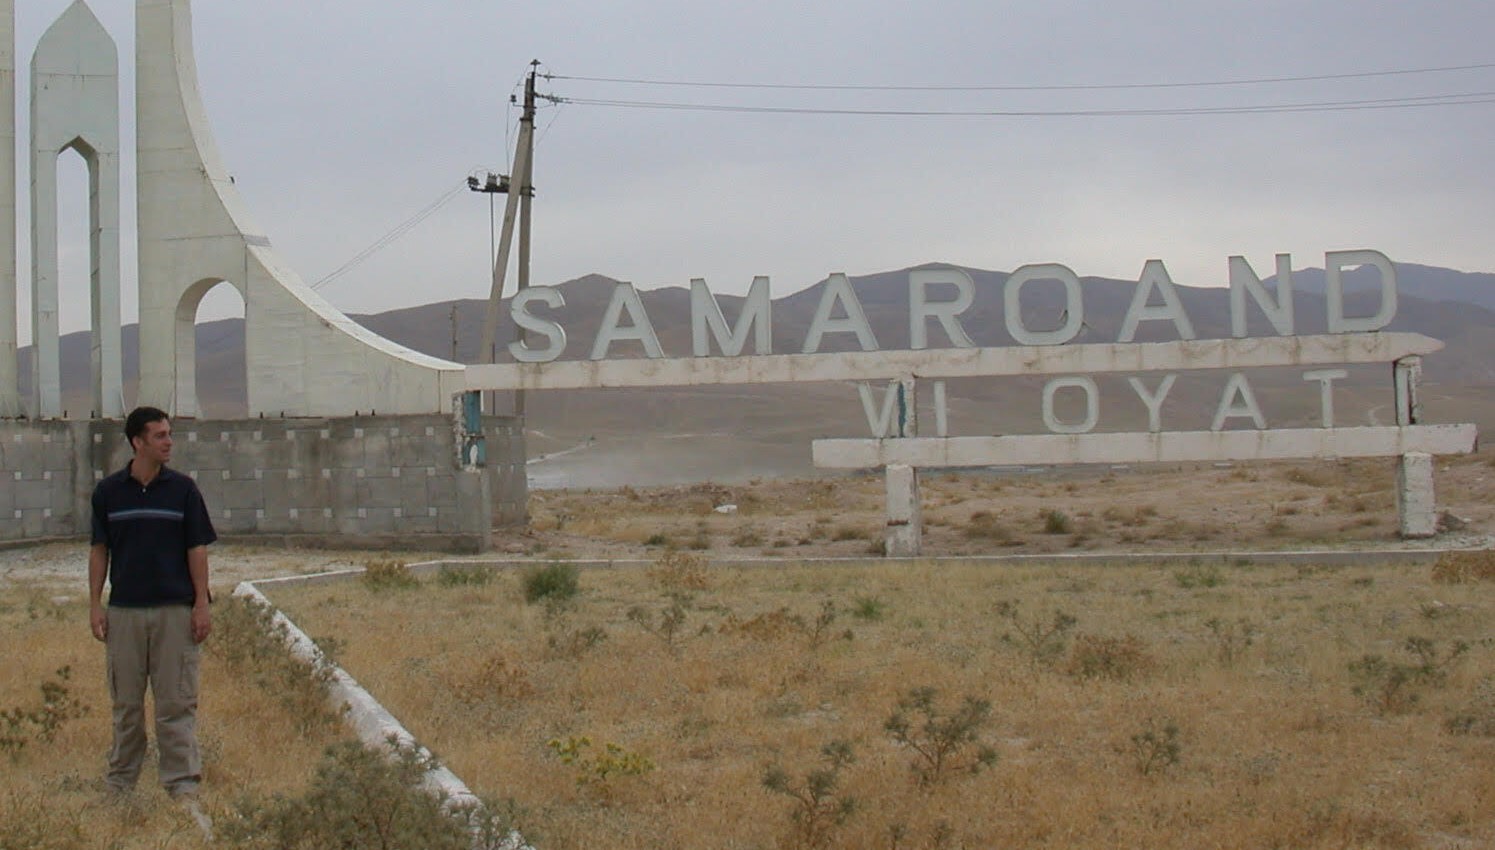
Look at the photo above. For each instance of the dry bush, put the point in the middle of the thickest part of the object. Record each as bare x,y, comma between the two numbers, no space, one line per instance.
389,575
1478,715
985,526
496,679
677,571
1464,567
851,532
1118,659
1307,476
767,626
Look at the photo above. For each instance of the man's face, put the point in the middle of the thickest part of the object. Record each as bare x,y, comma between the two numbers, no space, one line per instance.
155,444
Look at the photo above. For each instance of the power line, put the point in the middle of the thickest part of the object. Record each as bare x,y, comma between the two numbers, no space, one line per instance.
1397,72
1448,99
393,235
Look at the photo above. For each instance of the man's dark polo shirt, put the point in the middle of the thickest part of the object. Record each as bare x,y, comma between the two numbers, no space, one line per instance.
148,530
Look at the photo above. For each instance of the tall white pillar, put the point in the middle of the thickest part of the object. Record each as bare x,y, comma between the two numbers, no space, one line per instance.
10,377
75,106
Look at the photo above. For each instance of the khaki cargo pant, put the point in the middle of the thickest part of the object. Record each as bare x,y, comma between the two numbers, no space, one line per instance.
154,645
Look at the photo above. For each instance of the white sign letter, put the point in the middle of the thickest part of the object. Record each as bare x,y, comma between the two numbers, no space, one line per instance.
921,310
1326,379
757,312
1074,305
882,423
838,289
625,297
519,312
1154,401
1238,388
1243,280
1155,276
1092,405
941,411
1335,262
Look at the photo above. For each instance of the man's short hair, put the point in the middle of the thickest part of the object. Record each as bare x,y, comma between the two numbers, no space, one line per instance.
139,418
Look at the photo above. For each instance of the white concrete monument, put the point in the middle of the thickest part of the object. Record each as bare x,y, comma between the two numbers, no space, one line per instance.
304,357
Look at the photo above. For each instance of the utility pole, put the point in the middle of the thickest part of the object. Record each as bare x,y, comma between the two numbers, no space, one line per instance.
522,175
454,333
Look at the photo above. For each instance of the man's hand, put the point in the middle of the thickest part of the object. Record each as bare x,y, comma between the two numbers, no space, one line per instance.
202,622
98,620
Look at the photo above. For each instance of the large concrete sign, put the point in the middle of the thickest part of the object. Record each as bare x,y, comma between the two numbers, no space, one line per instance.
939,298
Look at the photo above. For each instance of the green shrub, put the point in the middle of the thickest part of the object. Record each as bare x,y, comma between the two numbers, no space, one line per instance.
552,582
1199,575
1392,686
942,742
1044,640
869,608
252,643
364,798
1156,747
819,809
596,769
1057,522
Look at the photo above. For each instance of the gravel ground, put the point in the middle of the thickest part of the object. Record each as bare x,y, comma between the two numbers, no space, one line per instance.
62,568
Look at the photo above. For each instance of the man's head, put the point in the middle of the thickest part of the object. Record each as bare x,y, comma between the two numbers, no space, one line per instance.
149,431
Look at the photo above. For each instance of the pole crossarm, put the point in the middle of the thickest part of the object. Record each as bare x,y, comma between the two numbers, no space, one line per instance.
1091,358
1159,447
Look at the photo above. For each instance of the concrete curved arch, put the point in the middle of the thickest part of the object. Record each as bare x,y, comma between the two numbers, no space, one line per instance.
185,329
75,106
305,358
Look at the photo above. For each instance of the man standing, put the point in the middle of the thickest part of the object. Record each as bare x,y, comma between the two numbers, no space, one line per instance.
151,531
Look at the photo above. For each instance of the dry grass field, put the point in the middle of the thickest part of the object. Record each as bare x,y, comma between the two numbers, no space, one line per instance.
1264,506
256,740
948,705
709,681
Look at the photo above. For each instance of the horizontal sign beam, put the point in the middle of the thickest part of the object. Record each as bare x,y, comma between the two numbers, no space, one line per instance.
1166,446
1094,358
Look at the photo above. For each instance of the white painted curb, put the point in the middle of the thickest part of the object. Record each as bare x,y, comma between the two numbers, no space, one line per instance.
374,725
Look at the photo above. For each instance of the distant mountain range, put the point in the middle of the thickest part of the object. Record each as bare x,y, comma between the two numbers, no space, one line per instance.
1456,307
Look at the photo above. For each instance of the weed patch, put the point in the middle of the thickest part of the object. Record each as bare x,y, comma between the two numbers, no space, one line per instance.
456,576
21,725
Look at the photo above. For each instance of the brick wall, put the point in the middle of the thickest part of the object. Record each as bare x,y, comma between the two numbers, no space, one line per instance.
365,481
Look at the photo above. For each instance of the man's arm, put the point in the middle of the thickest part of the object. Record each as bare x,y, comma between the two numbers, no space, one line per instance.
98,571
202,616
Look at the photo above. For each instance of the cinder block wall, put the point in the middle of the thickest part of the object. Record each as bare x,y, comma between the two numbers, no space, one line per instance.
364,481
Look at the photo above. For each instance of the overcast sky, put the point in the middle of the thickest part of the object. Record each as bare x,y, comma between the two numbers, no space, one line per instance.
342,118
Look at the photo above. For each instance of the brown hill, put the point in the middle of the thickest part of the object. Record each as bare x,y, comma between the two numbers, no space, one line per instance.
766,429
